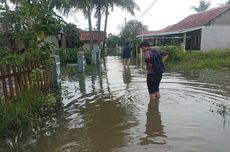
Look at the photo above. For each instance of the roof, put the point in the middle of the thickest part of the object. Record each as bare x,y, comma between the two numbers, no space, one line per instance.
148,32
85,35
193,21
199,19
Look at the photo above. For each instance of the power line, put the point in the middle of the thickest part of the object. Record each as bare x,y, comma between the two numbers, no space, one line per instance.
147,9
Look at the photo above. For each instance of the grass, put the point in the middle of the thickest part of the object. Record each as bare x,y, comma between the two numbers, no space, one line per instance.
198,60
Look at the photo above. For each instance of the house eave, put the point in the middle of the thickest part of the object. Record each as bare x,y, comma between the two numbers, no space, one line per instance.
170,33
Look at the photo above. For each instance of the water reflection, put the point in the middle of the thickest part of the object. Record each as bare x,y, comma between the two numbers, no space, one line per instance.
154,127
127,76
81,81
99,79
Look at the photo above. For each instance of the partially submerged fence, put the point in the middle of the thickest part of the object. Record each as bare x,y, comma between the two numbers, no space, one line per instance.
33,76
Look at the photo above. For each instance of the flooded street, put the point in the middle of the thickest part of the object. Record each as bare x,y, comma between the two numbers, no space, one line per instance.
107,109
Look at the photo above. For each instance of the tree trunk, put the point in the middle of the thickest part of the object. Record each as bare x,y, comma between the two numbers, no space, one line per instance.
7,25
105,28
90,27
98,25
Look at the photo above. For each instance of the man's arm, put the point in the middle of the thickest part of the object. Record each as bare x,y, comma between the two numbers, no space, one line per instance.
165,57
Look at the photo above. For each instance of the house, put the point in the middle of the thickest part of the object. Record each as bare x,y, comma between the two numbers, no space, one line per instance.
98,38
59,40
207,30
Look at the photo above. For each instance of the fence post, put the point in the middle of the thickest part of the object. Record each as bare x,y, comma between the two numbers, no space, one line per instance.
80,60
94,56
56,73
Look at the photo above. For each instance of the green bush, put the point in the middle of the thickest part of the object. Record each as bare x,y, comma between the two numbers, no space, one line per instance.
88,57
26,107
68,55
198,60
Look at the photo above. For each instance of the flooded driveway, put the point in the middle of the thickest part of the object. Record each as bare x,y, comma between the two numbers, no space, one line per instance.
107,109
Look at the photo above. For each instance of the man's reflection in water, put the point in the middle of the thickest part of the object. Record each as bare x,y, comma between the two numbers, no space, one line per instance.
154,128
127,76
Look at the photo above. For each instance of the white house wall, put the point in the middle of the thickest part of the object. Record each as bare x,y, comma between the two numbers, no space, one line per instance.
52,39
223,19
215,37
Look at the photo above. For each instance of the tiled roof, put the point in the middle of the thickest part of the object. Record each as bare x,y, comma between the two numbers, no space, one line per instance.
193,21
199,19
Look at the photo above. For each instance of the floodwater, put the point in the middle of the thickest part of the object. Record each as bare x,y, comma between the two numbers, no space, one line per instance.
107,109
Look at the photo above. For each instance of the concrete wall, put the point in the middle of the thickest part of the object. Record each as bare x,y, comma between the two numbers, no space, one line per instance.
223,19
215,37
53,39
86,45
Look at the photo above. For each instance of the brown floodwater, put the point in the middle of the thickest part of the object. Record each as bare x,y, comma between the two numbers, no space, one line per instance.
107,109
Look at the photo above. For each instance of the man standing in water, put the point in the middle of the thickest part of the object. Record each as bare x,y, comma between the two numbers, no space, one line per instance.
154,60
126,54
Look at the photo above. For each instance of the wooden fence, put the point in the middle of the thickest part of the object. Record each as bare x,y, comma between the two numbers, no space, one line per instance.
15,80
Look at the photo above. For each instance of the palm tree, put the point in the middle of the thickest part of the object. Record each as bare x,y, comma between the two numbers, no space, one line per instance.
102,6
225,3
203,6
85,6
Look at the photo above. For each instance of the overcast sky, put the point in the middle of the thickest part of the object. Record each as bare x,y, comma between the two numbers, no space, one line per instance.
163,13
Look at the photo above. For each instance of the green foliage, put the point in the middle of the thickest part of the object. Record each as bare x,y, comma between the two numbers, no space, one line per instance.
35,52
11,59
29,18
72,35
197,60
88,57
131,30
28,105
70,71
68,55
113,40
20,27
203,6
36,76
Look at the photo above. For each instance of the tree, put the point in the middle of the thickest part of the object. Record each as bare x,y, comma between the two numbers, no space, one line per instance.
131,30
30,18
225,3
113,40
86,6
203,6
72,36
102,6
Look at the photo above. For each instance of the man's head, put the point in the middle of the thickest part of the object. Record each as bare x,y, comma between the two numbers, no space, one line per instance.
144,45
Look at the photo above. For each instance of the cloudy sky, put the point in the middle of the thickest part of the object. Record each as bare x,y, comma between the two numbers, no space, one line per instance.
163,13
